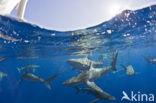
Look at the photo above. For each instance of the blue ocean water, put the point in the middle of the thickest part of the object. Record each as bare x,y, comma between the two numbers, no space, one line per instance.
132,33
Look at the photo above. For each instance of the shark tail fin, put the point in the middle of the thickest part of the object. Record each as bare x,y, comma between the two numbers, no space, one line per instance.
113,64
49,80
77,89
147,59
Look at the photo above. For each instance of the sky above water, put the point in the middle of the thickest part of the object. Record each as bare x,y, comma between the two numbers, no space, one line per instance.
77,14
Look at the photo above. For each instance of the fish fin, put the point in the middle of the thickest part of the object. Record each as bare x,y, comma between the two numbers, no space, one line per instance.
49,80
77,89
124,67
113,64
147,59
93,85
2,59
95,100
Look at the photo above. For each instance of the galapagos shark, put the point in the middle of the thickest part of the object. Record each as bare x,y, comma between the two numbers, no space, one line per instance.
33,78
87,76
83,63
129,70
150,61
29,66
2,75
92,74
98,94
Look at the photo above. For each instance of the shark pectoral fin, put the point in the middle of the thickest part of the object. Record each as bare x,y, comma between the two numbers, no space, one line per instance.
77,89
124,67
147,60
95,100
93,85
49,80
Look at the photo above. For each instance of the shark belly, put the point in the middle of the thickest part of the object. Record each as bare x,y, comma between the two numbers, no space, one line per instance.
32,78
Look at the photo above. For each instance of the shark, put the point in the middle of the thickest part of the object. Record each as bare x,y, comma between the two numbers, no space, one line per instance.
34,78
129,70
28,67
150,61
83,63
89,76
2,75
98,94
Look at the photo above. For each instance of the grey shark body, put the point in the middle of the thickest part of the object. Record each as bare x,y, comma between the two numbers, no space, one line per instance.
89,75
98,94
83,63
129,70
2,75
28,67
33,78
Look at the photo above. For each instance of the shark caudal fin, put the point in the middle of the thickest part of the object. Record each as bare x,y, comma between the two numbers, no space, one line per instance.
113,64
49,80
147,59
